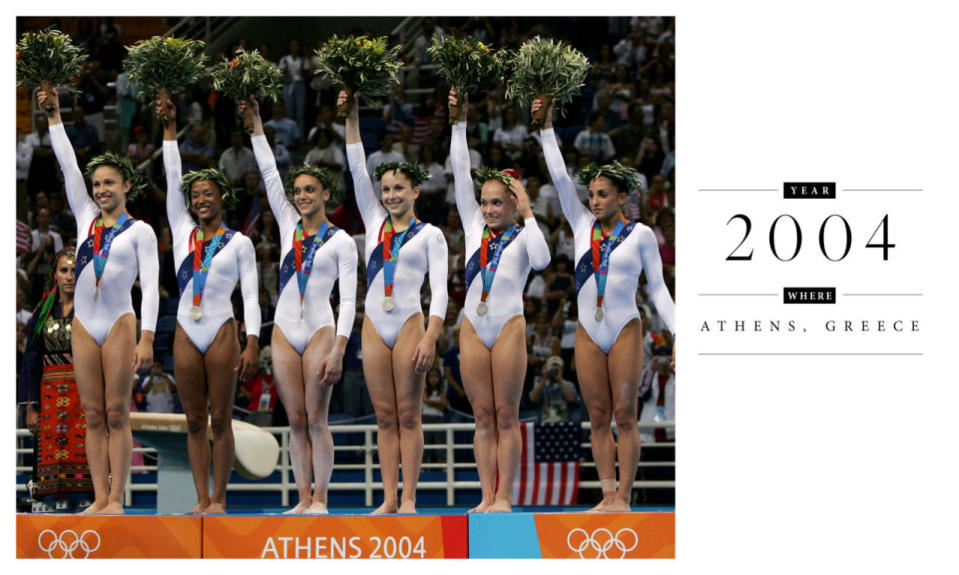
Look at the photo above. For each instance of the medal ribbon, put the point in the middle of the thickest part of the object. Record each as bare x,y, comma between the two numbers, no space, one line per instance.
601,254
489,272
102,239
391,251
202,266
303,269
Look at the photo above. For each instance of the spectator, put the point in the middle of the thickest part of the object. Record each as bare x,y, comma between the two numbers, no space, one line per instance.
542,344
92,97
282,155
296,68
288,131
259,391
512,135
128,106
197,151
434,410
327,154
457,401
237,160
592,142
83,137
657,396
553,395
325,121
140,150
158,389
43,234
382,156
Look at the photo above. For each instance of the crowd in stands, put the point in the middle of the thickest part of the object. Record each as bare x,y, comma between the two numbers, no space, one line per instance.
625,112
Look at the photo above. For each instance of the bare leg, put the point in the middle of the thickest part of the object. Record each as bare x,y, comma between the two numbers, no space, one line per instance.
117,355
317,409
408,386
288,373
378,371
624,372
509,369
89,377
591,369
478,382
190,374
221,358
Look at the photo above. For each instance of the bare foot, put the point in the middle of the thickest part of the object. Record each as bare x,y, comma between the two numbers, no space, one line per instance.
617,505
318,508
500,506
200,508
407,507
387,507
481,508
300,509
604,504
111,508
215,507
94,508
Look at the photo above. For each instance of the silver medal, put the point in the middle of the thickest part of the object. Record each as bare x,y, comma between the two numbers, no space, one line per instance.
599,314
388,303
482,308
196,312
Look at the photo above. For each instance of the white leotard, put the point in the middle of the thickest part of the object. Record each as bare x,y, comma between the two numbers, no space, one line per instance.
527,249
234,261
132,252
336,258
638,252
424,252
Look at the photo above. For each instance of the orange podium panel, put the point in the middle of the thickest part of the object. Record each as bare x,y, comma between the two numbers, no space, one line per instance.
607,535
108,537
335,537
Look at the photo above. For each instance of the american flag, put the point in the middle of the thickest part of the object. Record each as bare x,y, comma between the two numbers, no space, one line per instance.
549,466
23,237
251,218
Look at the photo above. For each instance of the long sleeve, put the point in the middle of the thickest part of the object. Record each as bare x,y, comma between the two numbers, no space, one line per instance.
438,257
462,181
286,214
149,263
346,258
83,207
181,223
366,199
656,288
536,247
575,212
249,286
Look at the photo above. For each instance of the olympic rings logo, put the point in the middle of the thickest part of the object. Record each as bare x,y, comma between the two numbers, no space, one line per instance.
62,546
595,545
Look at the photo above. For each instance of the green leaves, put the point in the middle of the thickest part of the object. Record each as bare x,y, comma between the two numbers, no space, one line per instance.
468,64
169,64
47,58
546,68
416,174
248,73
365,65
624,178
487,173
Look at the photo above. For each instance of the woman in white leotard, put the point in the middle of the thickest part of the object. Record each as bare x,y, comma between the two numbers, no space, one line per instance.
307,354
113,249
397,351
499,255
206,350
609,352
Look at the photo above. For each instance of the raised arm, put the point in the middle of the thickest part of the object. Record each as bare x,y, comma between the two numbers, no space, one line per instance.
460,163
83,207
656,287
366,200
575,212
286,214
181,223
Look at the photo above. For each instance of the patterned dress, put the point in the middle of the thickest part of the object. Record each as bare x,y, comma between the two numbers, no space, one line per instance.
61,470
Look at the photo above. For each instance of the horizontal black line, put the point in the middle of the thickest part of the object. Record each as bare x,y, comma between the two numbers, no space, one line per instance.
736,190
799,353
882,294
882,189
